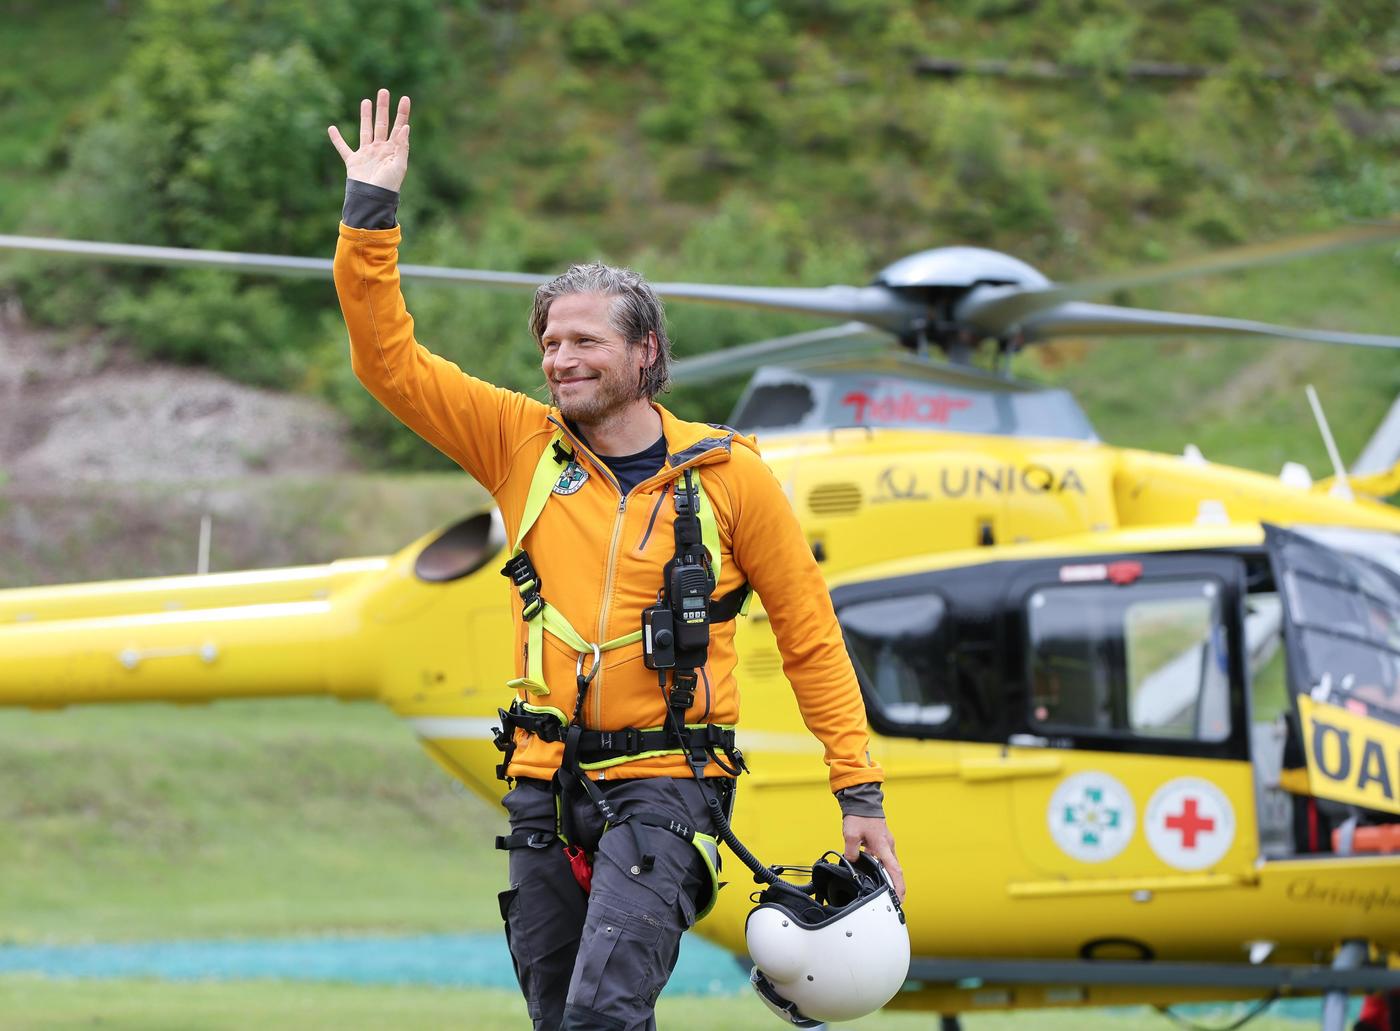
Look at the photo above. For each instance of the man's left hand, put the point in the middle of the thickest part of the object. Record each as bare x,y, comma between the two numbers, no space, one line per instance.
874,834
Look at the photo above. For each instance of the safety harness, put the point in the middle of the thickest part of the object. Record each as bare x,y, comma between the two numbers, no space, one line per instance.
675,638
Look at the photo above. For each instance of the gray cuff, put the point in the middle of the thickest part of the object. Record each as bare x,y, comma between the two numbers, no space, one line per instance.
369,207
862,800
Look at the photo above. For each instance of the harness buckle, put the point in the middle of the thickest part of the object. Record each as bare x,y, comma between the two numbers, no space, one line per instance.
521,572
682,693
504,735
629,740
519,568
685,504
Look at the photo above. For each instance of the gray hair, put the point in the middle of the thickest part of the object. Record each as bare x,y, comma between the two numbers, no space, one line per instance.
636,311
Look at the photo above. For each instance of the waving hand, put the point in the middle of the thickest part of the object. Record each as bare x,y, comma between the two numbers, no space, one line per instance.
382,159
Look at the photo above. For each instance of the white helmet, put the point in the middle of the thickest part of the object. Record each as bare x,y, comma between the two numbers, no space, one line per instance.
834,949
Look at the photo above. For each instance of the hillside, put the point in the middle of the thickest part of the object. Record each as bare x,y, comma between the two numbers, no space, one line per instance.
730,140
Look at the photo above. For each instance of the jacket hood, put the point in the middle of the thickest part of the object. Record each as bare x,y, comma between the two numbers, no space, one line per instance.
687,440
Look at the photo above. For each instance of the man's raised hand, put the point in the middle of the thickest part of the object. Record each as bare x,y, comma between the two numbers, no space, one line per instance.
382,159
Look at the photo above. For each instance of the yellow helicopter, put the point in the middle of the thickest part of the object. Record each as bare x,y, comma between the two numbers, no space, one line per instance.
1139,713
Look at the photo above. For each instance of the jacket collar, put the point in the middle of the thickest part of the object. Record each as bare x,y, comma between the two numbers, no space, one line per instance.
687,442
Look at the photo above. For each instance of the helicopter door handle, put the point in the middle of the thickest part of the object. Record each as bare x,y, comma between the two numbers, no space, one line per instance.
1000,768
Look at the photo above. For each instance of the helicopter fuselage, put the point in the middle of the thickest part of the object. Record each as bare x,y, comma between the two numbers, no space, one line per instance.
1023,833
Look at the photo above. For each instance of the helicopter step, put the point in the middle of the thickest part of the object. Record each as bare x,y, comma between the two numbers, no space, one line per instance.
1350,972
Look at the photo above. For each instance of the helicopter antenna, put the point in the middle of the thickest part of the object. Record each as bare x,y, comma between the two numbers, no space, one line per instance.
1342,487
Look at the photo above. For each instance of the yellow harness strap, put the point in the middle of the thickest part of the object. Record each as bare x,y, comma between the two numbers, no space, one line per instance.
709,532
542,615
541,487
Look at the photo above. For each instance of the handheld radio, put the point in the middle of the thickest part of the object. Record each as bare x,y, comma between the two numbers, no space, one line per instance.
677,628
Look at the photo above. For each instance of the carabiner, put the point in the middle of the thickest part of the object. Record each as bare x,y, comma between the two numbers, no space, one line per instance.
584,681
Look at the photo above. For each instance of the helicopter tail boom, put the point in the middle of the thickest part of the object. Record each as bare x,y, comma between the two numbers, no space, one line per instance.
186,639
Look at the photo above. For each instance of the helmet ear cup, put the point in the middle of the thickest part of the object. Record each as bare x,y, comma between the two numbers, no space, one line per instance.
835,885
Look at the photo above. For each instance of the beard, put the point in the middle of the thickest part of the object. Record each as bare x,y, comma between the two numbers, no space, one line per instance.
609,393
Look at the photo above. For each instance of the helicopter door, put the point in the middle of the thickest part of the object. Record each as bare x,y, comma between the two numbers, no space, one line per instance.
1133,675
1341,604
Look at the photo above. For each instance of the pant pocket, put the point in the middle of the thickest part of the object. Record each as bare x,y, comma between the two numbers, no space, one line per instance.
519,960
617,970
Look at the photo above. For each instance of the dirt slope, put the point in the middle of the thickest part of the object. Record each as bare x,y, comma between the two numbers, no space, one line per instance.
90,412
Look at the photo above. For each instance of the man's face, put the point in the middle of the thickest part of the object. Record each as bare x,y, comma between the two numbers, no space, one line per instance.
591,371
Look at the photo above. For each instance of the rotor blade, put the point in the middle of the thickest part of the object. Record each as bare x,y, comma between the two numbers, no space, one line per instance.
1382,451
270,264
996,310
875,305
1077,318
849,339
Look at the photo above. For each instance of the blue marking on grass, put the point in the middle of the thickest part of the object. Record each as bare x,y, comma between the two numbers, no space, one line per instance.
449,960
445,960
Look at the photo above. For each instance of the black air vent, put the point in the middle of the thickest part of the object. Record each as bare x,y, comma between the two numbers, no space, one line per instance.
834,499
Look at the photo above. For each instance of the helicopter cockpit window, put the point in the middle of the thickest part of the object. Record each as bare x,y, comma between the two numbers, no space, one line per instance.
899,649
774,404
1147,659
1344,601
461,549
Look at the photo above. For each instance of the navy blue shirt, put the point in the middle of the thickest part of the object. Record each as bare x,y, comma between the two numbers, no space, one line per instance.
631,470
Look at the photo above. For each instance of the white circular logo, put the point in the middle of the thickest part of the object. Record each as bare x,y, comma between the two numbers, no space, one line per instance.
1189,823
571,479
1091,817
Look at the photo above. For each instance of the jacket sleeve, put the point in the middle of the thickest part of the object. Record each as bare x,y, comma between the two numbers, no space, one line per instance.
475,424
769,547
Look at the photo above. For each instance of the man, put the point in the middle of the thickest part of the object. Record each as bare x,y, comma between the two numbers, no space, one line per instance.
592,492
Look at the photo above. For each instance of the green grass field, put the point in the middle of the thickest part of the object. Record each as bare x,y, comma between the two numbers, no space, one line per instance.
263,818
30,1004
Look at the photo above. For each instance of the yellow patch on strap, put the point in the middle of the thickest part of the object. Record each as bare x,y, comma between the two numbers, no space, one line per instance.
1351,758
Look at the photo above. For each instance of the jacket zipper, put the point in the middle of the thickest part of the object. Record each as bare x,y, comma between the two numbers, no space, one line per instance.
595,690
595,705
664,494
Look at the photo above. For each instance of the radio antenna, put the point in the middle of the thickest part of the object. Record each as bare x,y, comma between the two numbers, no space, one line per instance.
1341,486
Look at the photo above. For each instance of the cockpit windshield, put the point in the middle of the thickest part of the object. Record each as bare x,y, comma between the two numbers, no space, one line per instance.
781,399
1342,587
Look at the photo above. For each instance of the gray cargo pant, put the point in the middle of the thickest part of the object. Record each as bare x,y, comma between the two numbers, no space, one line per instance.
599,961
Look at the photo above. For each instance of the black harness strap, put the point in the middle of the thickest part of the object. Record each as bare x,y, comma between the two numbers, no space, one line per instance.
728,606
525,839
596,746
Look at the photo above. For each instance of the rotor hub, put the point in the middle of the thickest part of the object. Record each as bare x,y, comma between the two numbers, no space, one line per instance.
959,268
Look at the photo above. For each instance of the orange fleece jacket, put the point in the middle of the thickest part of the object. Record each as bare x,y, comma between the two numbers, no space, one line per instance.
599,555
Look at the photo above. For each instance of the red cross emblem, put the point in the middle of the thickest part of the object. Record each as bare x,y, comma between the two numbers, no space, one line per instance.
1190,823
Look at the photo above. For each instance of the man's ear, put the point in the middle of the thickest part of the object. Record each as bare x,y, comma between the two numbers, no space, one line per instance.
653,349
